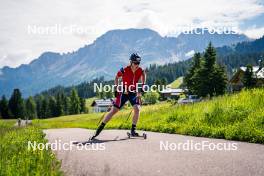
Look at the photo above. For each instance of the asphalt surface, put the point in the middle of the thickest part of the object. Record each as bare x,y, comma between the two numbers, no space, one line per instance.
114,154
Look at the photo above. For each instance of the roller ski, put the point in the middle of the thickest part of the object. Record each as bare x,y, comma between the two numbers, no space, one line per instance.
133,134
90,139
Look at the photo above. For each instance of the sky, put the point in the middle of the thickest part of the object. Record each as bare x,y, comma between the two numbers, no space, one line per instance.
31,27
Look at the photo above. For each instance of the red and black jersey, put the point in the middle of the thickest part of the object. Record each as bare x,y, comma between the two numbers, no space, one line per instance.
128,77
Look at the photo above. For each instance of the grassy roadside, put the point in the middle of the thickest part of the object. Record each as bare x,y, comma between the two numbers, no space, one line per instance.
16,159
236,117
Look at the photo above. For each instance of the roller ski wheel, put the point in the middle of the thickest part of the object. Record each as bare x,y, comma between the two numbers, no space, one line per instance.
129,135
144,135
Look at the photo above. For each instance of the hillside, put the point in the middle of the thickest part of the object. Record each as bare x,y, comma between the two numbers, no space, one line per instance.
229,56
241,54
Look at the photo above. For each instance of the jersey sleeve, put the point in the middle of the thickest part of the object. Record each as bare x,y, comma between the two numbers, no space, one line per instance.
120,72
141,71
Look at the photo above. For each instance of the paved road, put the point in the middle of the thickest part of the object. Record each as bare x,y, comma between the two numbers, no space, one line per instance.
136,157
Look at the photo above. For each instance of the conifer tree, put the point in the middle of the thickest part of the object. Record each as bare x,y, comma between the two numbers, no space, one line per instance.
4,111
30,107
16,104
75,102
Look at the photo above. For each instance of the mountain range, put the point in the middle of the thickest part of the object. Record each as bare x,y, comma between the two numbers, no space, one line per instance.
105,56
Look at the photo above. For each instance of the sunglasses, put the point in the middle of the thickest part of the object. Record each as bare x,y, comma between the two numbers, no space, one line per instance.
136,63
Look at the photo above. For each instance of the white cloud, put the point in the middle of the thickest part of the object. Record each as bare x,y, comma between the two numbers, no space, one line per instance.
166,17
254,32
16,58
190,53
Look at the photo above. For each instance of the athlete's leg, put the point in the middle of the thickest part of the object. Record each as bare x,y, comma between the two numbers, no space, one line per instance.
135,120
111,113
136,108
119,102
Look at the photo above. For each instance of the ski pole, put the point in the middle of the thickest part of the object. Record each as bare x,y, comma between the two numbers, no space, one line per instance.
129,115
140,101
103,115
126,119
101,119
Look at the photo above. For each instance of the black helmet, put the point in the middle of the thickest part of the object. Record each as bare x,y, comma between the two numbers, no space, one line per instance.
135,57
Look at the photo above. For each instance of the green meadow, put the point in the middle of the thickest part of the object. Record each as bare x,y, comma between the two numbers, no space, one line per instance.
17,159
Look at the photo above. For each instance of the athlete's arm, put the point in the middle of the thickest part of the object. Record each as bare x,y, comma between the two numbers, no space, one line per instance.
118,75
116,80
143,77
143,81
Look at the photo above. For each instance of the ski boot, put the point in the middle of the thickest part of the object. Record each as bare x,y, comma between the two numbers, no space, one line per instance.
133,133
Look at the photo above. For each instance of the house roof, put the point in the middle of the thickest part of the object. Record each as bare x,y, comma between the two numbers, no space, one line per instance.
255,68
259,73
102,102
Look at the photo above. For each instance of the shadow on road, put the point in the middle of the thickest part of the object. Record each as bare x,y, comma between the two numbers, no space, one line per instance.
116,139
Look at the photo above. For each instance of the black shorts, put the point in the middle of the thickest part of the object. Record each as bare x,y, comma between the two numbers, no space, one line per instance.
122,98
